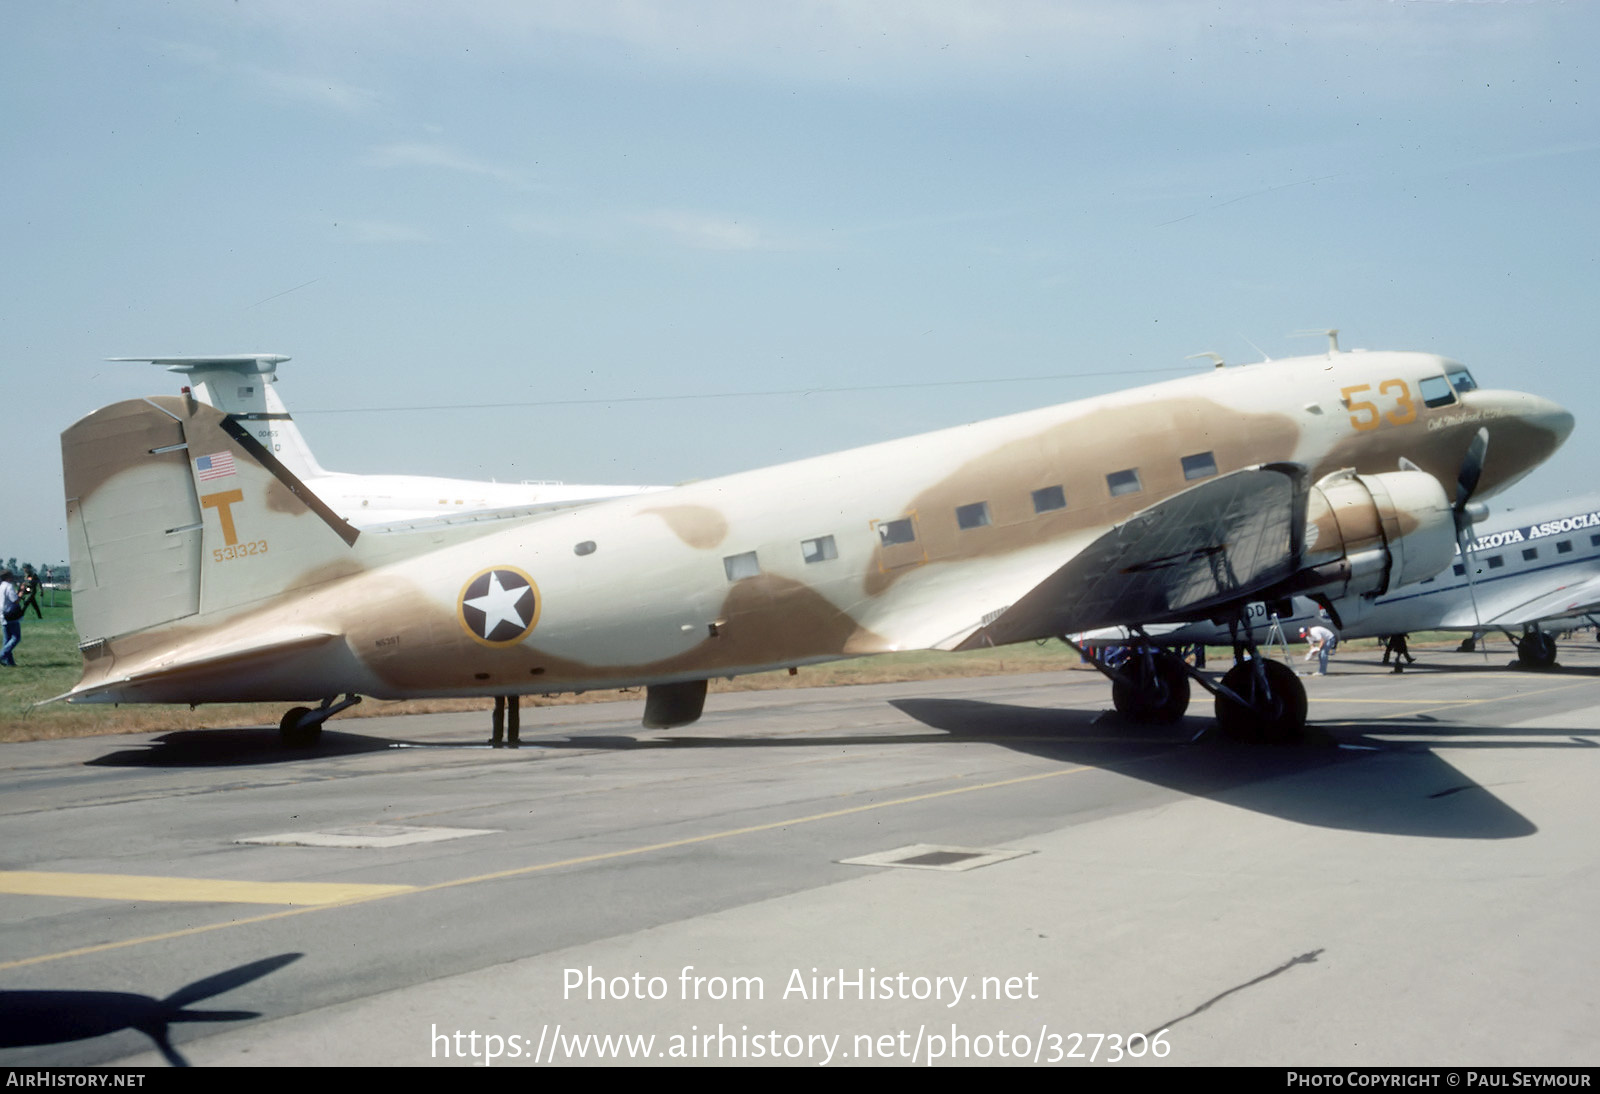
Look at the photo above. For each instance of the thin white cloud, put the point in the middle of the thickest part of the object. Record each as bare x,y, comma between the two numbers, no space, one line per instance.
384,231
320,91
892,41
442,157
700,232
683,228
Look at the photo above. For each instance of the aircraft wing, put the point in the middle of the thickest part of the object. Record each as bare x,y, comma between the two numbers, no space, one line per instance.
1574,598
1209,545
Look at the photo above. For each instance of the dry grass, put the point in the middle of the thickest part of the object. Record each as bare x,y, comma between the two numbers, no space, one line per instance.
48,665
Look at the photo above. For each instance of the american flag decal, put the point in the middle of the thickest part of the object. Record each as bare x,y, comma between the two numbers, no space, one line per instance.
218,465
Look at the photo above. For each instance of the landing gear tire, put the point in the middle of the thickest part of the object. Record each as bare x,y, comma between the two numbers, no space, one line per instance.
1274,713
1162,696
1536,650
295,735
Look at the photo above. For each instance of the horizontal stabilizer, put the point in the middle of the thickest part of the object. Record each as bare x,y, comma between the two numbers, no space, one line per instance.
181,666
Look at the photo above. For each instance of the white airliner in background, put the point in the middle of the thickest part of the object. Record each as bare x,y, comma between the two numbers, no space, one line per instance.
243,386
1538,574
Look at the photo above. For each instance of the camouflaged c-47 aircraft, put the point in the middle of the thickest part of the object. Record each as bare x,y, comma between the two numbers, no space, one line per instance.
205,571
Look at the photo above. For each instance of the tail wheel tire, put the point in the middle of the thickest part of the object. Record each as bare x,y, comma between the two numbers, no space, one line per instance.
296,735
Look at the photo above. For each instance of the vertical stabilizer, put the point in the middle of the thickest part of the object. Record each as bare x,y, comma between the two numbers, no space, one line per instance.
175,510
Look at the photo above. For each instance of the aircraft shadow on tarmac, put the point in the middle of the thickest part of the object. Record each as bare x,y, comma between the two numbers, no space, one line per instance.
54,1017
234,747
1357,783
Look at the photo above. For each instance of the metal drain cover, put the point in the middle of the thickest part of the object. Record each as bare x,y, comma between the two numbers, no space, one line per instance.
365,835
930,856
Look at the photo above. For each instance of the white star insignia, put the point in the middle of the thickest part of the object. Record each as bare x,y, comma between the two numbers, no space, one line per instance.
501,605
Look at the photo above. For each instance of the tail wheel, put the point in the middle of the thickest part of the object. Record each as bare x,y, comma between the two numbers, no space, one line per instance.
295,733
1274,702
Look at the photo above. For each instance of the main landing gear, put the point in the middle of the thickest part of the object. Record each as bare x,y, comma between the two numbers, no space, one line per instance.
1151,685
1256,700
1536,650
1261,700
301,727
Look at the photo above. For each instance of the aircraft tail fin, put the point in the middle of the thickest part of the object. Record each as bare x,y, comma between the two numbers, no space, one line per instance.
175,510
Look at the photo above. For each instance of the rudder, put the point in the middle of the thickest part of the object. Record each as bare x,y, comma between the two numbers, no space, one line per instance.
174,510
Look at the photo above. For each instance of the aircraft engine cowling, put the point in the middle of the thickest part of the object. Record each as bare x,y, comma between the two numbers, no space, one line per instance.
1368,534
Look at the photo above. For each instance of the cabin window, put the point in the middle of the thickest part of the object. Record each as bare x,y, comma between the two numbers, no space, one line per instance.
820,549
739,567
975,515
1530,553
1436,391
1049,499
1200,466
1458,569
891,532
1462,380
1564,547
584,548
1496,561
1124,482
1594,541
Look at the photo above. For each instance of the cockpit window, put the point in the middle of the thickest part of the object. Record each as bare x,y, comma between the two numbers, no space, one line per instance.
1462,380
1436,391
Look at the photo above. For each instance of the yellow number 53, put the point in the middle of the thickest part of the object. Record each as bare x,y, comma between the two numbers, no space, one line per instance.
1366,415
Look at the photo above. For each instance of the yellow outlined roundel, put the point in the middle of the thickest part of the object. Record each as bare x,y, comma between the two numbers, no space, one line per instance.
498,606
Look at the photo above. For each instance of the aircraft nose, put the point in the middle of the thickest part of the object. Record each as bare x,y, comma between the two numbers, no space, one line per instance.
1541,415
1550,416
1524,431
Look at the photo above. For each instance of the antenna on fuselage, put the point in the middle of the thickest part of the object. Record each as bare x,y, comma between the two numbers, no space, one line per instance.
1216,358
1258,349
1331,333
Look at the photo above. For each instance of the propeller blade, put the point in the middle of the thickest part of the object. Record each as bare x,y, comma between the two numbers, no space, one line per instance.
1471,468
1464,518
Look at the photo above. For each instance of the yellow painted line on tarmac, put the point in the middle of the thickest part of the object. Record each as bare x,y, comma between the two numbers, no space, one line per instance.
1433,704
188,889
522,871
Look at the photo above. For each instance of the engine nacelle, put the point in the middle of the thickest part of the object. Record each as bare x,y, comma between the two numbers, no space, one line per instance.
1368,534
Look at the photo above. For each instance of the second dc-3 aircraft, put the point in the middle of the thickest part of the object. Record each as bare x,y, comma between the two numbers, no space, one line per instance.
204,570
1525,575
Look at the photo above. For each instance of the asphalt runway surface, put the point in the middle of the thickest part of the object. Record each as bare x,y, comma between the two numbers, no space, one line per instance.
1415,883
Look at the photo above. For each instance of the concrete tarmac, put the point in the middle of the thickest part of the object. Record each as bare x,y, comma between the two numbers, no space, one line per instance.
1413,884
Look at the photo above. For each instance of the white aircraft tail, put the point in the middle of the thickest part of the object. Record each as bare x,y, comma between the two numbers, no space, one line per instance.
175,510
241,385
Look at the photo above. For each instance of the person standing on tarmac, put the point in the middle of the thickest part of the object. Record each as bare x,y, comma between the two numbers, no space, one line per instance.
1395,645
11,609
1323,642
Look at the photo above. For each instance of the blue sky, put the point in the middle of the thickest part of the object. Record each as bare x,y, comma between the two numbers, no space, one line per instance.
432,205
